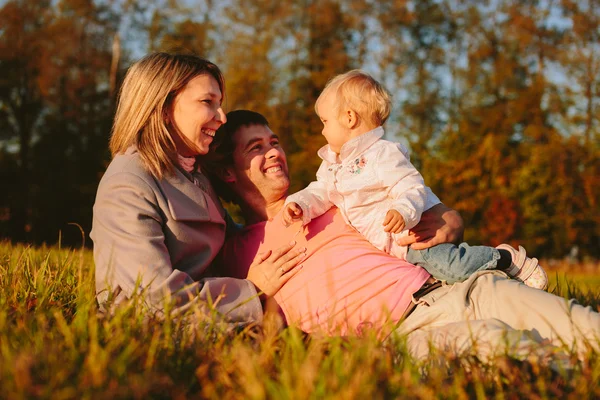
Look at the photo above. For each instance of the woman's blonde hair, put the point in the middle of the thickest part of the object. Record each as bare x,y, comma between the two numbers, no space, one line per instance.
358,91
145,102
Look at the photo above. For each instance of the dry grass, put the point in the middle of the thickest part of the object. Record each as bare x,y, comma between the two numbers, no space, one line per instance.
54,344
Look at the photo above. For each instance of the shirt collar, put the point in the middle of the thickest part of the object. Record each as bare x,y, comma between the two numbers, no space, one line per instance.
352,147
187,163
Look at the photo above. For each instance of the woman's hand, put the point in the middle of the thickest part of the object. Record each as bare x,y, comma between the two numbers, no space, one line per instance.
439,224
271,269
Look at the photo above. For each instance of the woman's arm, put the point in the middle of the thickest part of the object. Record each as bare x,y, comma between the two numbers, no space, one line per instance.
131,256
439,224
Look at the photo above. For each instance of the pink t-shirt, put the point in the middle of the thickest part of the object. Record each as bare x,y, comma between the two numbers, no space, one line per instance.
345,285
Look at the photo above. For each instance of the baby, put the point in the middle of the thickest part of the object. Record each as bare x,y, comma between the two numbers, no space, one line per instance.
380,193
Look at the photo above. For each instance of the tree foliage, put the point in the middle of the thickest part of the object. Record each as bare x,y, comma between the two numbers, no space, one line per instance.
498,100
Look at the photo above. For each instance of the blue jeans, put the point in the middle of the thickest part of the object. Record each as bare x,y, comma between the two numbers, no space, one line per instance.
451,263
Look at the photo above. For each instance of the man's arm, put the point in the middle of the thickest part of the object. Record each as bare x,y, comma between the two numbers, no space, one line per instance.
439,224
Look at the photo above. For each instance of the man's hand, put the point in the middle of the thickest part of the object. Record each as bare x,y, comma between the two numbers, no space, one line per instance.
393,222
292,212
439,224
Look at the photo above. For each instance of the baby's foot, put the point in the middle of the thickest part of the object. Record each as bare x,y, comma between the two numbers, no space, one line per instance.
525,269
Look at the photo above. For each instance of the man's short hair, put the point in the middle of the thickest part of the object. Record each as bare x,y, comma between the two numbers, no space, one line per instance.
358,91
221,151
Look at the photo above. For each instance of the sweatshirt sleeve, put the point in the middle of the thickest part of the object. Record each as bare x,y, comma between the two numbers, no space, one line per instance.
314,199
406,186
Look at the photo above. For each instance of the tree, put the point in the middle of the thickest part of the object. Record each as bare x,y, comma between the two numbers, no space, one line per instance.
279,58
58,106
23,41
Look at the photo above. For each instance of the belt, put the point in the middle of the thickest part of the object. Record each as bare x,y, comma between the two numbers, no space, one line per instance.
429,286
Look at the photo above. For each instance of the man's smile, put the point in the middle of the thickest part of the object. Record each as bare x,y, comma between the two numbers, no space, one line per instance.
273,169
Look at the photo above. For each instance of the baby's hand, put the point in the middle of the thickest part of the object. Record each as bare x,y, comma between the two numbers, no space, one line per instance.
291,213
394,222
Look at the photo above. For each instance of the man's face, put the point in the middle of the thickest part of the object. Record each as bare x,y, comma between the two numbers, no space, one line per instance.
259,163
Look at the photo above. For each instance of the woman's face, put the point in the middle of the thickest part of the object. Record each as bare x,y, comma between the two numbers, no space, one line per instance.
197,114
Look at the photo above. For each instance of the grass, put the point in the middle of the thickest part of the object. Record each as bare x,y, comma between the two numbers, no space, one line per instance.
584,282
55,344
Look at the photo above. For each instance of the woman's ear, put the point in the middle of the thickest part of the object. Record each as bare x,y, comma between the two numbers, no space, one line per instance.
167,112
351,119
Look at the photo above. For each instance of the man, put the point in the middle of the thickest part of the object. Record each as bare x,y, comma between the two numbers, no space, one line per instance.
345,285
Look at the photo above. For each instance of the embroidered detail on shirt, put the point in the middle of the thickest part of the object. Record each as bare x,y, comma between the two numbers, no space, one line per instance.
357,165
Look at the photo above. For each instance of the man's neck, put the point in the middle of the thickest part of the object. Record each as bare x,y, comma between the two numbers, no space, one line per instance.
258,209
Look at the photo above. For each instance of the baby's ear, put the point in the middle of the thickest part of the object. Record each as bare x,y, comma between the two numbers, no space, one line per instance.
351,119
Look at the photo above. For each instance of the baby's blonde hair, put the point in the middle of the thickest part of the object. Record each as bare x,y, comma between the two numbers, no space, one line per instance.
145,102
358,91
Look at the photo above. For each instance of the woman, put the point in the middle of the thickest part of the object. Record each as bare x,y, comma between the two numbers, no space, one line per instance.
158,224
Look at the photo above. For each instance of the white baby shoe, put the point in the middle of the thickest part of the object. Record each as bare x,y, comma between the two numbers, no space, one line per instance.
525,269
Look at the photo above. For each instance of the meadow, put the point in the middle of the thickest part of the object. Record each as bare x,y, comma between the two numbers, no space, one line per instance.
55,344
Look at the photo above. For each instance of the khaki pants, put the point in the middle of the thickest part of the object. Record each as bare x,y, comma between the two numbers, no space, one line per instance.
489,314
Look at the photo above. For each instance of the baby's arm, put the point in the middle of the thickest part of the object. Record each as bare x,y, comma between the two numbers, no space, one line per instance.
406,186
313,200
393,222
292,212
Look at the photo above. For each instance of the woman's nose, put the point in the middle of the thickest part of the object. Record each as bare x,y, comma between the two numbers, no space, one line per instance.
220,115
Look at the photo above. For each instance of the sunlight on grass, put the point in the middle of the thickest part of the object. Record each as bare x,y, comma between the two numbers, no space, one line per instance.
55,344
584,282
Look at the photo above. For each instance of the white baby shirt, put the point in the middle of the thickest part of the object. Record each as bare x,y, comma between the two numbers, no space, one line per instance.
370,177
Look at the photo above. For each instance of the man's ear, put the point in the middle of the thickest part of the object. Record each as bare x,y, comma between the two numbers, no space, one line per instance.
226,174
351,119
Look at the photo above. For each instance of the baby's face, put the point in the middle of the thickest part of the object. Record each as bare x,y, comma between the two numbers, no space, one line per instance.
335,131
